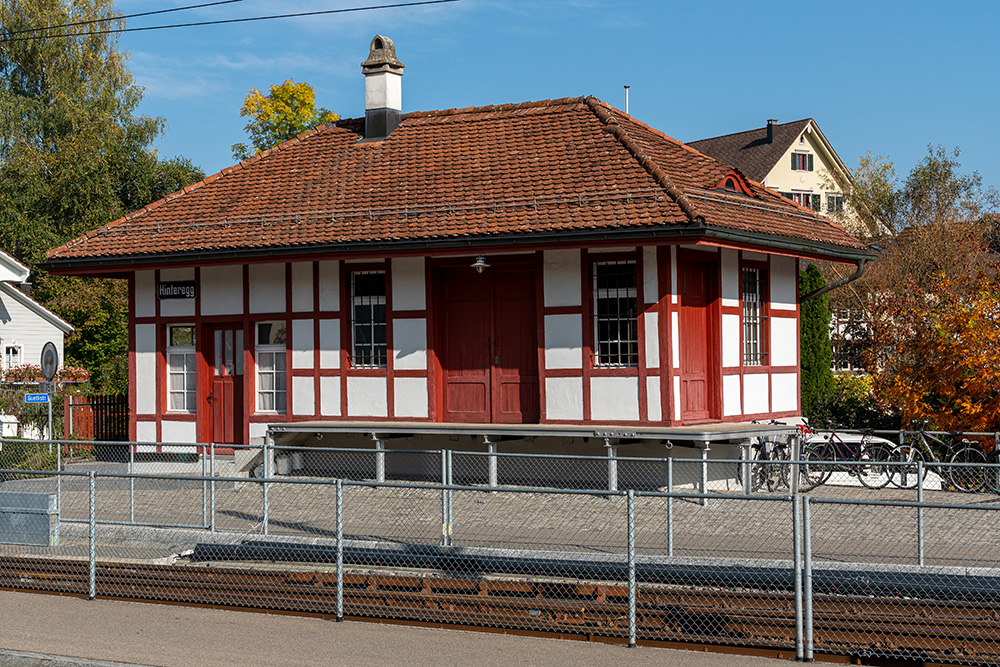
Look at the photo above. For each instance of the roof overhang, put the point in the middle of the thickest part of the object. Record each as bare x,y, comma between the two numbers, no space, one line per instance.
35,307
662,234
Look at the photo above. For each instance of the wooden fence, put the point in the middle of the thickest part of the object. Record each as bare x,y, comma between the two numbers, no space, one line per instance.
97,417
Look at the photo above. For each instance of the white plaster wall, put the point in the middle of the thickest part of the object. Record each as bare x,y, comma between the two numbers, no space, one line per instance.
367,397
176,307
329,344
784,392
561,278
145,369
329,396
730,277
564,398
408,284
731,405
409,342
755,393
754,256
650,283
784,341
145,293
267,288
784,282
563,341
409,397
179,431
675,338
221,290
614,398
302,344
257,430
654,413
677,392
652,320
145,431
303,396
302,286
730,340
329,285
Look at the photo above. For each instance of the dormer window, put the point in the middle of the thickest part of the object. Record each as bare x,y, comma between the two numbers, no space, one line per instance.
734,183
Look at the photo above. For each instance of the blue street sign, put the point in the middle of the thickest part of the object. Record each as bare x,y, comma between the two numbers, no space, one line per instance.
36,398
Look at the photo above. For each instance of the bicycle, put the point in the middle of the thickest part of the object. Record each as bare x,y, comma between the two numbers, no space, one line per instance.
969,477
768,468
867,461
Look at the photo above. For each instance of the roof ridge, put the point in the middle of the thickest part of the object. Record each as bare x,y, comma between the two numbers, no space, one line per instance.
601,110
753,129
512,106
243,164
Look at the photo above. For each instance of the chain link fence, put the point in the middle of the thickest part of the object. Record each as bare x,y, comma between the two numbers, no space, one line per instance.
679,550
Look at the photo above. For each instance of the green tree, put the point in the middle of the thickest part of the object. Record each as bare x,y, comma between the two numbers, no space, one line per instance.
814,334
74,155
288,110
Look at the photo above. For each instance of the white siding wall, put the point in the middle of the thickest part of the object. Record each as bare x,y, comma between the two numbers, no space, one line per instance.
302,286
145,293
563,341
408,288
561,278
267,288
145,367
177,307
564,398
221,290
614,398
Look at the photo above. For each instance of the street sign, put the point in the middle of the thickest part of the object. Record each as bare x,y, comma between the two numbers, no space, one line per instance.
36,398
49,361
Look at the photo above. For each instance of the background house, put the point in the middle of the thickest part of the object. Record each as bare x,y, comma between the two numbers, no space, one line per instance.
25,325
552,263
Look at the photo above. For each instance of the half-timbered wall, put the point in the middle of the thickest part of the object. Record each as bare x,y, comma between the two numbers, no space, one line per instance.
313,299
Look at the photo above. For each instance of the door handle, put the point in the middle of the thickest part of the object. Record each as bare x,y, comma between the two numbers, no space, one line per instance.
496,360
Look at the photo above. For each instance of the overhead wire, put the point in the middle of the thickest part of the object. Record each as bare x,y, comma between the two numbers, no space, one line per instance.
89,33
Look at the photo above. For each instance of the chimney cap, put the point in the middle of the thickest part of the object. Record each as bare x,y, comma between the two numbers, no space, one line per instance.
382,57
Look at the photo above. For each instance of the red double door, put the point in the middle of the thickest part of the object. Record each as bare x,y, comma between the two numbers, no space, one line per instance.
698,336
487,344
225,391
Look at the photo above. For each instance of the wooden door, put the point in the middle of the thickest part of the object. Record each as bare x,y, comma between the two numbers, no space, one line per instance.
488,347
697,339
225,397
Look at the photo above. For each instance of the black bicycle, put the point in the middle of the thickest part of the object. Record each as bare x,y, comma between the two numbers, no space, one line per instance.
867,460
969,475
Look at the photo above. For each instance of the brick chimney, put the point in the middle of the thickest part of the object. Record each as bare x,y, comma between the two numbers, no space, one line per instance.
383,88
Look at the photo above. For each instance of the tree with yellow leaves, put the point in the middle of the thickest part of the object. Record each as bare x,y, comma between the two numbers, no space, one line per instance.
288,110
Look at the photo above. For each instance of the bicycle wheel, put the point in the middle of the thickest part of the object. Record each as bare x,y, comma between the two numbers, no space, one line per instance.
780,467
904,474
968,478
991,475
872,471
817,466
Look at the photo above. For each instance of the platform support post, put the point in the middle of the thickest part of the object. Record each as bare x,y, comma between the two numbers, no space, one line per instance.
491,447
379,458
703,482
612,464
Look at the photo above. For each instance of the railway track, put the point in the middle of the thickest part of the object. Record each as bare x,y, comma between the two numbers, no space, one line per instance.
919,631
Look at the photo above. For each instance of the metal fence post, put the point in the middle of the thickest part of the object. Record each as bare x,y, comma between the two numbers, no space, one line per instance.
492,462
444,498
807,585
670,507
745,455
703,481
340,550
630,505
796,447
59,478
92,559
211,471
204,490
920,512
612,465
379,459
451,497
797,567
131,483
267,451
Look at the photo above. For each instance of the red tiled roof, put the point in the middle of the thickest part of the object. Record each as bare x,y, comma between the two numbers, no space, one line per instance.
517,169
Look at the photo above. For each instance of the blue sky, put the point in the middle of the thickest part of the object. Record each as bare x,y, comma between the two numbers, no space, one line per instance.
889,77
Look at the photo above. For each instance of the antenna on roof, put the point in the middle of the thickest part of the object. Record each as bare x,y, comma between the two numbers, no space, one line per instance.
626,97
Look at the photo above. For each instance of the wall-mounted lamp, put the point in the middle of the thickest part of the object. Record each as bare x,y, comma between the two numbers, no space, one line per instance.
480,264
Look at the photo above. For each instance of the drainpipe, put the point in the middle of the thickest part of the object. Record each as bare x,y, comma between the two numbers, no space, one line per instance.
862,266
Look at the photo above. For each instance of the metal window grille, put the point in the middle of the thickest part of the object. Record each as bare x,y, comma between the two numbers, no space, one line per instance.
754,351
272,387
616,314
181,376
369,319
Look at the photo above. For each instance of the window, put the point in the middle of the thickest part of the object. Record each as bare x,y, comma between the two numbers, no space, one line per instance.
272,392
181,380
11,356
616,314
834,203
849,338
802,161
754,338
368,319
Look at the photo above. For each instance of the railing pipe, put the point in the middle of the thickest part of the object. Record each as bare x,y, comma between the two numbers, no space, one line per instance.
920,513
630,507
265,510
670,507
131,483
340,549
807,582
92,535
797,568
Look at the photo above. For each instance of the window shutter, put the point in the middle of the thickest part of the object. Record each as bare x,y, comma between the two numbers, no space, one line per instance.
795,162
816,198
786,195
810,162
831,205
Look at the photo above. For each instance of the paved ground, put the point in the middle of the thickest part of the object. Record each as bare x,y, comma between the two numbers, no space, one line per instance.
37,628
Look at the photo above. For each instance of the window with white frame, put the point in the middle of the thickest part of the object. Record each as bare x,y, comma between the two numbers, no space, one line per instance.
181,380
616,314
272,388
802,162
368,319
754,337
834,202
11,356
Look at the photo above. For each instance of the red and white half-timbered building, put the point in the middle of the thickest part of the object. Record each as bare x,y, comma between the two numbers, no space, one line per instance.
554,262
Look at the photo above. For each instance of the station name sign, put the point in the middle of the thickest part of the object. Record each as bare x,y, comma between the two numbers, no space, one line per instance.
184,289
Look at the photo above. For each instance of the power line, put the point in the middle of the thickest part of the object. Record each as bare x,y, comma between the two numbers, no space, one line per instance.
126,16
90,33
